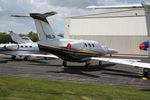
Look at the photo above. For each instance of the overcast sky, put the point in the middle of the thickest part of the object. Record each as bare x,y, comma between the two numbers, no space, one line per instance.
65,8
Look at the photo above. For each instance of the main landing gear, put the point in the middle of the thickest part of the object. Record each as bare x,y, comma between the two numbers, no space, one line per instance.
87,64
26,58
13,57
64,64
146,74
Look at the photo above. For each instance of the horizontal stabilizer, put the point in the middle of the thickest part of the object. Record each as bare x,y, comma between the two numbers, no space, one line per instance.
18,16
39,15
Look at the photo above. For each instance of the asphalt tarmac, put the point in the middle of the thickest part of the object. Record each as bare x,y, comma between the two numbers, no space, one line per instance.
51,69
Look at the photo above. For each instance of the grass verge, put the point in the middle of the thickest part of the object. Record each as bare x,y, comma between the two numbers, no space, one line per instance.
30,89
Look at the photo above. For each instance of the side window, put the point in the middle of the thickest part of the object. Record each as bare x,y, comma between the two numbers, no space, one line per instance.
93,45
21,46
26,46
89,45
85,44
30,46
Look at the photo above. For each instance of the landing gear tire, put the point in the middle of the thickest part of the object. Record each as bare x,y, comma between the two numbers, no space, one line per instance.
100,63
146,73
13,57
45,58
87,65
64,64
25,58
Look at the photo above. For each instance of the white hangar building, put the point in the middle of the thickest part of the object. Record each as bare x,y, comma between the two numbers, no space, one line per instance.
121,30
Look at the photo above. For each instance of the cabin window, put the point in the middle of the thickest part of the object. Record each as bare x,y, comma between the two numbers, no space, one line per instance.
89,45
21,46
26,46
93,45
30,46
85,44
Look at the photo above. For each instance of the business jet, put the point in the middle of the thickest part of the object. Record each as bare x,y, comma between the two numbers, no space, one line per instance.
76,50
23,47
132,6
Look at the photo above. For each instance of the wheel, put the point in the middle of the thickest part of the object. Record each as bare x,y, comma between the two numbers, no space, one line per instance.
87,65
13,57
64,64
25,58
146,72
100,63
45,58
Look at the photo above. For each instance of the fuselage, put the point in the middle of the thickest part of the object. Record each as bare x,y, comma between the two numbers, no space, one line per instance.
19,47
74,50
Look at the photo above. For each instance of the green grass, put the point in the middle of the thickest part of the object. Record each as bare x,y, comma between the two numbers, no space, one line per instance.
30,89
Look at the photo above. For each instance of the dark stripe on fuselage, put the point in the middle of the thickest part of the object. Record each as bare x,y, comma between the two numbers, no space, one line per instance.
69,54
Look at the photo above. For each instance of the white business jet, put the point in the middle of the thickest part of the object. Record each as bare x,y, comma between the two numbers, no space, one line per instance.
23,47
76,50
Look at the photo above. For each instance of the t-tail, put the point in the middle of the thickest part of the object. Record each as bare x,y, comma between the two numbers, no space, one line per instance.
44,29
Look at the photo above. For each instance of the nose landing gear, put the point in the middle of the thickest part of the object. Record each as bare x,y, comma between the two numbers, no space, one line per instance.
146,74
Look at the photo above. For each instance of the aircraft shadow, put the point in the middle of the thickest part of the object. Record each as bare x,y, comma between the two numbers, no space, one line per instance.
6,60
66,70
81,70
132,75
146,90
118,71
38,61
3,61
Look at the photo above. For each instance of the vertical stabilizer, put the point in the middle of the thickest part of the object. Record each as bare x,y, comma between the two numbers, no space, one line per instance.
44,29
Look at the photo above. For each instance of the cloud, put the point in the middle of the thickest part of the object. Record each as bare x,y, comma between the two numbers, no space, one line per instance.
1,9
65,8
72,3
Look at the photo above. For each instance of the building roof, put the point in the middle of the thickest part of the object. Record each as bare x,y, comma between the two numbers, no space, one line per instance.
122,13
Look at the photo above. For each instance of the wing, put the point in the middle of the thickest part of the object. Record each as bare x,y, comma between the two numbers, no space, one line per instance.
28,53
41,55
131,62
117,6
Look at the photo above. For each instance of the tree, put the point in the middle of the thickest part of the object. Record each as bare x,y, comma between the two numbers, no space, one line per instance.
33,36
61,35
5,38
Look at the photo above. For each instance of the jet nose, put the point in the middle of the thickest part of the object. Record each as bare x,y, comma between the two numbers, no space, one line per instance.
112,51
11,46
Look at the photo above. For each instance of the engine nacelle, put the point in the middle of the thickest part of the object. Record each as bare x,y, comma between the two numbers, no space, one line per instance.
11,46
